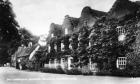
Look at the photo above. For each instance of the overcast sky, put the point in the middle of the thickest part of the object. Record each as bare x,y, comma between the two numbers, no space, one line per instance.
37,15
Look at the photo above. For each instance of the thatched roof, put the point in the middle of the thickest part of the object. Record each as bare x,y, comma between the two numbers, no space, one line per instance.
25,51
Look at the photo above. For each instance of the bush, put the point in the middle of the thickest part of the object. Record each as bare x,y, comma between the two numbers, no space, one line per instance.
74,71
52,70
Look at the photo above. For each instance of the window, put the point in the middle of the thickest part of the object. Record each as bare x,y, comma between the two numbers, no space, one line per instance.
66,31
62,46
62,60
70,46
52,35
121,62
122,33
120,30
89,44
55,47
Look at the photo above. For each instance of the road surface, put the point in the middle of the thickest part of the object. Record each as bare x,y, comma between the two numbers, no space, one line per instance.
9,75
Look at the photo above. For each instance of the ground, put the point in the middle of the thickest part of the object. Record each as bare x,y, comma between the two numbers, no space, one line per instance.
9,75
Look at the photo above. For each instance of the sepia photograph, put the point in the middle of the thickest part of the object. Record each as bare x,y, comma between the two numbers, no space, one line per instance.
69,41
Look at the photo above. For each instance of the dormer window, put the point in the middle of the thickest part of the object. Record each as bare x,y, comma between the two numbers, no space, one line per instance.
30,44
85,23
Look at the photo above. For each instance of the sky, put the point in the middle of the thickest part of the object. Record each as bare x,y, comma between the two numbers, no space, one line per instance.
37,15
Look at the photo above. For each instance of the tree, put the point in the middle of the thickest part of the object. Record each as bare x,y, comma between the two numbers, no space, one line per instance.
26,37
9,36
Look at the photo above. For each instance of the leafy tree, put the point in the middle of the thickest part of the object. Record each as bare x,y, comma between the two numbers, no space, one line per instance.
9,36
26,37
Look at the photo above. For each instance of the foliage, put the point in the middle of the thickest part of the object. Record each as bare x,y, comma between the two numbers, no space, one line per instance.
104,40
26,37
9,36
65,41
